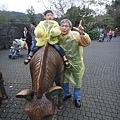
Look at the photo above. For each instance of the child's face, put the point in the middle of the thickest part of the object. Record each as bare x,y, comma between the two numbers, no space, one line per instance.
49,16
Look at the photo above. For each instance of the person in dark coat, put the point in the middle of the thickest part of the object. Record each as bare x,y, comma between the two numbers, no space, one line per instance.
104,33
115,32
28,38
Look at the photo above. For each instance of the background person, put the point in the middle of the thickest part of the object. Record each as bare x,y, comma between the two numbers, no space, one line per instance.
28,38
34,48
109,34
101,37
104,33
115,32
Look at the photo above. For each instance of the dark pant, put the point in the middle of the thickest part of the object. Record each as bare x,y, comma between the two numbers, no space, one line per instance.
29,48
59,49
34,48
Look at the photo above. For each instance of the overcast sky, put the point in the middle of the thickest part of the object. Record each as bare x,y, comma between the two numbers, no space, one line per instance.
23,5
19,5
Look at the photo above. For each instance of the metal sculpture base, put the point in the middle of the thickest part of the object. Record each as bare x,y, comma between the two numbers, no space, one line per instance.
46,68
40,109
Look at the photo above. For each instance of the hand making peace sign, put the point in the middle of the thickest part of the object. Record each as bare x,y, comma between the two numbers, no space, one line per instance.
80,28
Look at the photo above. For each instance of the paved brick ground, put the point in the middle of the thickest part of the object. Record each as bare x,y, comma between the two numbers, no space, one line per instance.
100,90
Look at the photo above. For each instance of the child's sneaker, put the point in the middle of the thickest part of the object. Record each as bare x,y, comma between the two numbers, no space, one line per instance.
27,60
67,64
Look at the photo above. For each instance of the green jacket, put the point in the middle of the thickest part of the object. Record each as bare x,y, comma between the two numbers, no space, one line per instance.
74,54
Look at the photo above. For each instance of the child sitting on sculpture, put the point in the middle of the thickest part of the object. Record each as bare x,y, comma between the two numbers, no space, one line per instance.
48,31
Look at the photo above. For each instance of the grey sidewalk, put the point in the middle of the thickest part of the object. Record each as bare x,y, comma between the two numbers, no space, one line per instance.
100,89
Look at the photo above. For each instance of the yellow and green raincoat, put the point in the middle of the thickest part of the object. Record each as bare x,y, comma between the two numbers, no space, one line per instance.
43,32
73,49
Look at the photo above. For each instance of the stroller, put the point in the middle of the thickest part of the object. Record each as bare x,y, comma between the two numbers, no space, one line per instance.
15,49
101,37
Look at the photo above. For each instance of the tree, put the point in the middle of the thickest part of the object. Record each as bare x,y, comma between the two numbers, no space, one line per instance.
75,14
114,11
31,14
60,7
39,17
108,21
97,5
5,18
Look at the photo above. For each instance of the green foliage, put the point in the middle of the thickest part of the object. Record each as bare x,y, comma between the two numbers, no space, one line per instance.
114,11
19,16
75,14
108,20
74,11
94,34
7,17
39,17
31,14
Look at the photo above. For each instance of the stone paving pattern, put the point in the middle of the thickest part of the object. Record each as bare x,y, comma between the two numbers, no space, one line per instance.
100,90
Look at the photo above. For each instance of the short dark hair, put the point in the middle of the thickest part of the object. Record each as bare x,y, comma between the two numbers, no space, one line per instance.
33,23
48,11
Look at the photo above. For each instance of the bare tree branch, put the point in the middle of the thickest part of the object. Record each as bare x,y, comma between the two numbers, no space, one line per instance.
59,7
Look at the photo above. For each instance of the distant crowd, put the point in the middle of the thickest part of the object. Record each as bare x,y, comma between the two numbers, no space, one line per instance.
111,33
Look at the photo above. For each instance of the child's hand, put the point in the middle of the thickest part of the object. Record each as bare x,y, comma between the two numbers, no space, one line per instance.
52,32
39,34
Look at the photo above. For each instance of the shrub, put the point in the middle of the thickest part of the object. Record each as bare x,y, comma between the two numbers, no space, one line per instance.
94,34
